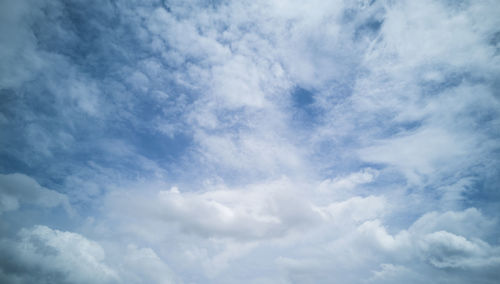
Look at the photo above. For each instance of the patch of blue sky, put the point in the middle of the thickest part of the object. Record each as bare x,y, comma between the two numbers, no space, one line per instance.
368,29
304,111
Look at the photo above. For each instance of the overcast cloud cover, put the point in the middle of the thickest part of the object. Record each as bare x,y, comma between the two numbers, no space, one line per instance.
249,141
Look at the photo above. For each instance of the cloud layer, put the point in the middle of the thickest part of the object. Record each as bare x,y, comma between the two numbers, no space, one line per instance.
249,141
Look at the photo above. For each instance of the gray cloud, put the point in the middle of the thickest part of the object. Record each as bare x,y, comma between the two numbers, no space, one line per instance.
16,189
44,255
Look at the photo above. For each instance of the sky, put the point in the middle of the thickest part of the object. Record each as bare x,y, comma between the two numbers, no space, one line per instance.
258,141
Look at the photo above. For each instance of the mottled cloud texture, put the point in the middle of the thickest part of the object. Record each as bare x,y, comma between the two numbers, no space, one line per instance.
249,141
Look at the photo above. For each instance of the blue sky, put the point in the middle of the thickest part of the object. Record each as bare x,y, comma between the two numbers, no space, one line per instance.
249,141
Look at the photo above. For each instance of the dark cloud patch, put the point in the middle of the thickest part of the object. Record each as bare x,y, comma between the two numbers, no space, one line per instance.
43,255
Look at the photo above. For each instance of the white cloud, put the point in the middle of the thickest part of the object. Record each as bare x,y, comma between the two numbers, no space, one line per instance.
356,209
444,34
263,210
420,153
408,255
469,223
349,182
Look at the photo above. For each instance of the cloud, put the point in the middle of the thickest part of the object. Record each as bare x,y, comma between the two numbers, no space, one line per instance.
356,209
470,223
19,51
349,182
446,250
44,255
249,141
418,153
412,255
17,189
258,211
143,265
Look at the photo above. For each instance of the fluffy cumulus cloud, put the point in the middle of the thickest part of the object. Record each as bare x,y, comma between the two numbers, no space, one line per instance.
249,141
